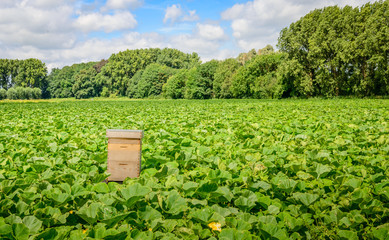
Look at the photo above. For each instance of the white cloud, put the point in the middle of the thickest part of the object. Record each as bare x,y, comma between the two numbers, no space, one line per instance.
210,31
191,17
123,4
258,23
32,3
175,14
108,23
207,49
30,26
57,31
190,43
46,3
89,50
7,3
172,13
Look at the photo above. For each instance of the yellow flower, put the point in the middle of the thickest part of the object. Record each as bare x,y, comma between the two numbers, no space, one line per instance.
150,229
84,231
215,226
71,212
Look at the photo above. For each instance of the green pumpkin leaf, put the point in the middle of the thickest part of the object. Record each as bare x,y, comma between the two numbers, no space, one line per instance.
20,231
32,223
306,198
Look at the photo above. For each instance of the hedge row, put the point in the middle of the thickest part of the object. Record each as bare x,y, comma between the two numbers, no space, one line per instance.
21,93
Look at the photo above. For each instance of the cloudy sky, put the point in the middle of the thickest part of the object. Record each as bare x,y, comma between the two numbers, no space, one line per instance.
63,32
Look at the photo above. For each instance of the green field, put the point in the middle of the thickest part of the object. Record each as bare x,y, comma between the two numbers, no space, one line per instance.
221,169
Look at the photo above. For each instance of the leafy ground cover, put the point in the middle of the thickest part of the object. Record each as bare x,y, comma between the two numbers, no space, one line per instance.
217,169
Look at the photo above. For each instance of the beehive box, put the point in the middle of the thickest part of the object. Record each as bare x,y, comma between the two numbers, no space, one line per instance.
124,154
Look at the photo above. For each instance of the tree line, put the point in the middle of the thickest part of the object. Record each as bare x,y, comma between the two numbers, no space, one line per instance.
23,79
337,51
329,52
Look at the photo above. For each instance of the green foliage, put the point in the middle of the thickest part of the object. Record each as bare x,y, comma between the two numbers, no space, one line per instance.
268,86
175,85
296,82
207,71
8,71
132,88
329,52
196,86
338,51
104,92
36,93
151,80
189,84
85,85
302,169
266,50
3,94
23,93
122,67
245,57
29,73
12,94
257,79
223,78
176,59
61,81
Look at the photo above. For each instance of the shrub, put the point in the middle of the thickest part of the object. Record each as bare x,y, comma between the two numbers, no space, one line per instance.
23,93
12,94
132,87
28,93
174,87
196,86
20,93
223,78
36,93
3,94
268,86
257,79
113,95
105,92
84,93
152,80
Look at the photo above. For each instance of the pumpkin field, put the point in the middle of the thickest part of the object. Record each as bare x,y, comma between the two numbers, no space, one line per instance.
211,169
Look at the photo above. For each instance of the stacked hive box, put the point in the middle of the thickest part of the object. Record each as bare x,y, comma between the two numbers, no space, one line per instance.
124,153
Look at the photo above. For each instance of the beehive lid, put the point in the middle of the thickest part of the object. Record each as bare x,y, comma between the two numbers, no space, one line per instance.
120,133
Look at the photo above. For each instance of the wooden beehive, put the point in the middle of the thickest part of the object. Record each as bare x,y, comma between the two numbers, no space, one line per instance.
124,154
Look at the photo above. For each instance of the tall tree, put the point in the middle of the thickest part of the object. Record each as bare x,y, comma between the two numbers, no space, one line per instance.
207,71
257,79
339,51
152,80
31,73
85,85
224,74
175,86
61,81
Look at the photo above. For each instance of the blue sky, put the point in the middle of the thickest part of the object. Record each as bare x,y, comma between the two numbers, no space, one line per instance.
63,32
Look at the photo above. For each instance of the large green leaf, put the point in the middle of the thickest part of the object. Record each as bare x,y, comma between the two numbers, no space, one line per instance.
89,212
32,223
4,228
174,203
20,231
202,215
134,192
306,198
322,170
